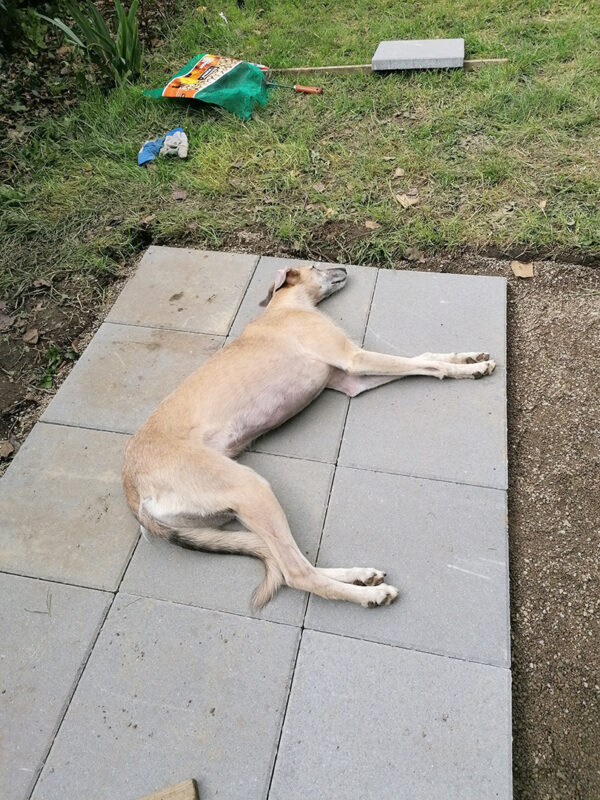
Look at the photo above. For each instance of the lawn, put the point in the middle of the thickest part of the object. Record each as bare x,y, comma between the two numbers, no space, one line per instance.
505,157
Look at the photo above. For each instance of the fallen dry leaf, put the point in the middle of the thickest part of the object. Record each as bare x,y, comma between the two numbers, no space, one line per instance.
406,201
312,206
389,158
41,282
6,322
235,182
31,336
6,448
413,254
147,220
179,194
372,225
522,269
319,187
542,204
399,172
412,192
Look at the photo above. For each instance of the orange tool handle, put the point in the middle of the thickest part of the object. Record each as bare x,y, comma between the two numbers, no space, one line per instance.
308,89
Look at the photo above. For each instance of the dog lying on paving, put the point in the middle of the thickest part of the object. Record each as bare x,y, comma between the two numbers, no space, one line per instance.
180,477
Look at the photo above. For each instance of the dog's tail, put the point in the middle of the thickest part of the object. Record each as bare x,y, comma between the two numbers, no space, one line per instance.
267,589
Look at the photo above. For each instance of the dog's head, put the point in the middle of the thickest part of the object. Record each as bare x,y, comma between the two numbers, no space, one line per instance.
315,283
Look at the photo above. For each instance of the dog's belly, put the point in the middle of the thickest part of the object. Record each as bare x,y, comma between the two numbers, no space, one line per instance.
260,409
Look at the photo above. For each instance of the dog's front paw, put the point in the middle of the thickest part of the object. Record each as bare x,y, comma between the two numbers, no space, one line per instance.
473,358
484,368
382,595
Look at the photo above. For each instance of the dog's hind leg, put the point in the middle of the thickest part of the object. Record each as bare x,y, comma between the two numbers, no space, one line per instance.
257,508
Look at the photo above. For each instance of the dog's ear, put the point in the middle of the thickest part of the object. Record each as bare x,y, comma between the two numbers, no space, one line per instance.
284,277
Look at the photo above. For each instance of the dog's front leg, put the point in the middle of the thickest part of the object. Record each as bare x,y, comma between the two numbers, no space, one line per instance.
371,364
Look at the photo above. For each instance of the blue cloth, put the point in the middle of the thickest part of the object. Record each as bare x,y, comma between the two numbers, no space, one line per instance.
151,149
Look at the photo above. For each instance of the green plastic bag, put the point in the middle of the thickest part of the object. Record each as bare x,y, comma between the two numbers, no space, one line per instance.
235,85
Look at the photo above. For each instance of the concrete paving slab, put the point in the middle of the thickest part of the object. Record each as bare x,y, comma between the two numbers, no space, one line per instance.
47,631
419,54
169,692
316,432
443,545
186,290
226,582
348,308
447,430
62,512
124,373
395,723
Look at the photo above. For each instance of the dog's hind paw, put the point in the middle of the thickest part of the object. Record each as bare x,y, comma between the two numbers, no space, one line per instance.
366,576
382,595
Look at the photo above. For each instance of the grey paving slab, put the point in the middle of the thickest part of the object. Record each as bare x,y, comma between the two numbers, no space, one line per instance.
62,511
394,723
124,373
173,692
316,432
46,632
419,54
448,430
226,582
189,290
442,544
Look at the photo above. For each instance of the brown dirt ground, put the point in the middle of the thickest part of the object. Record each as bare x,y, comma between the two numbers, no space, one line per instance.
554,497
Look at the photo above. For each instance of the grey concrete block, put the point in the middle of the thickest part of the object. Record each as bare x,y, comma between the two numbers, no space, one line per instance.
47,631
395,723
124,373
316,432
443,545
170,692
188,290
448,430
419,54
348,308
226,582
62,511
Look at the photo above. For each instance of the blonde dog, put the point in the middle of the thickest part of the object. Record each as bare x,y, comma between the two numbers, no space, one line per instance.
180,477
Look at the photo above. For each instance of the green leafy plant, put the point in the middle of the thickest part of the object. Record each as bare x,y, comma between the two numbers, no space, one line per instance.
117,56
55,359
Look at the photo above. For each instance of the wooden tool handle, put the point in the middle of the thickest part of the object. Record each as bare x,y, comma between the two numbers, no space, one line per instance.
308,89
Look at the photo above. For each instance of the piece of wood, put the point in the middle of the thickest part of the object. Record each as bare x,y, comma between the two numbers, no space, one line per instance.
333,70
186,790
472,63
476,63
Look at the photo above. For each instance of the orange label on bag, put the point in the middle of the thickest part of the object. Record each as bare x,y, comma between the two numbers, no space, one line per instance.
204,72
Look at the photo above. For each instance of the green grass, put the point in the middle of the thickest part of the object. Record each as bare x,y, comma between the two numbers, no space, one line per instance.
483,148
